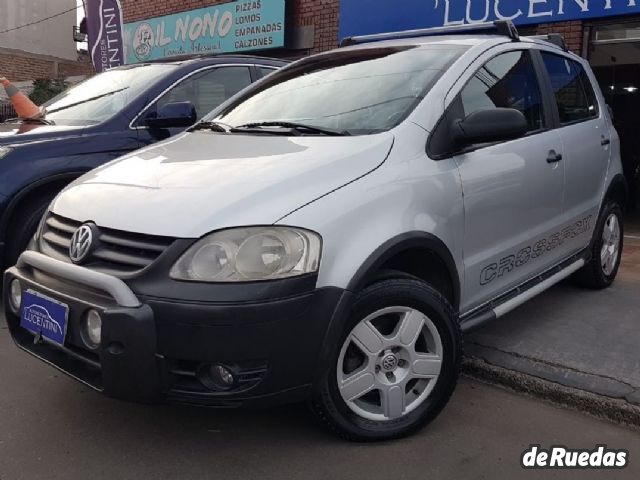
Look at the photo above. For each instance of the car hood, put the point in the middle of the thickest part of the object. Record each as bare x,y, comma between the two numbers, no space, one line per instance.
200,182
15,133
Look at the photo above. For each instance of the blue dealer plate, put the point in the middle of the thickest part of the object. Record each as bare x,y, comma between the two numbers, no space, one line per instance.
44,315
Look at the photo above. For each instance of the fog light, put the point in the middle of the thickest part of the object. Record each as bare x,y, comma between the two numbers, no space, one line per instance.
217,377
15,295
91,330
221,375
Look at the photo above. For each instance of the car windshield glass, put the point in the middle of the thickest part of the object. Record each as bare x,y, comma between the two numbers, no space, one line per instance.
358,91
102,96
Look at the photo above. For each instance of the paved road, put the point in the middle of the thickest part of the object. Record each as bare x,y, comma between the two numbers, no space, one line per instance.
52,428
574,336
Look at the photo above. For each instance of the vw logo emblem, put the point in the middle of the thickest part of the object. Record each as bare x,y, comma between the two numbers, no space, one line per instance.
389,363
81,243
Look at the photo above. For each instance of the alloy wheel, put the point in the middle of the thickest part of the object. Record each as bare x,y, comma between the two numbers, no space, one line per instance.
610,244
389,363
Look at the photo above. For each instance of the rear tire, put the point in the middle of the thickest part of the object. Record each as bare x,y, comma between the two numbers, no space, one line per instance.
403,345
23,227
606,250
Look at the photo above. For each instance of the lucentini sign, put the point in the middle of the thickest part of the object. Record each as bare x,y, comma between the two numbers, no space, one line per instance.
361,17
230,27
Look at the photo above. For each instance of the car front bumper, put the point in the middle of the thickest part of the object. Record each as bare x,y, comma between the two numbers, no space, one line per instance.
156,349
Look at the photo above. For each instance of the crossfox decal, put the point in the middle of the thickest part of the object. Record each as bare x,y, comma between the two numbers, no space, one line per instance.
532,252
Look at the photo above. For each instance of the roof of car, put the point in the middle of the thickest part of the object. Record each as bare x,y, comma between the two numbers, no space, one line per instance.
492,33
462,40
190,61
192,58
453,41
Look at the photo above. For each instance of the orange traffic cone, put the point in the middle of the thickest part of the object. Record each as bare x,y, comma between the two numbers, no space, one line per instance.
24,107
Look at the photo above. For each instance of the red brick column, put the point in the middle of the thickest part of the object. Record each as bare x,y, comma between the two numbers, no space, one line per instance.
323,14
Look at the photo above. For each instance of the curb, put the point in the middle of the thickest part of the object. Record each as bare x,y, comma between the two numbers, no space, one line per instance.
616,410
603,385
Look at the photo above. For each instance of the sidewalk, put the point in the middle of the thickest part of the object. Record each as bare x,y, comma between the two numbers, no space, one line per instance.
571,340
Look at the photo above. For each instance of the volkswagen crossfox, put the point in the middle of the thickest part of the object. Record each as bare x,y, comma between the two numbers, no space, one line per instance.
327,234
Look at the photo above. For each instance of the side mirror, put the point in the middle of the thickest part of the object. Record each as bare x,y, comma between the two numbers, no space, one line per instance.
488,126
173,115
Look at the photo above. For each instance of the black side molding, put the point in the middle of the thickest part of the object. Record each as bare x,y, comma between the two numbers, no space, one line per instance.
404,242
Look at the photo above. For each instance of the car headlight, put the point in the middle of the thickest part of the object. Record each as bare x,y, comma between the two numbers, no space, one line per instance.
250,254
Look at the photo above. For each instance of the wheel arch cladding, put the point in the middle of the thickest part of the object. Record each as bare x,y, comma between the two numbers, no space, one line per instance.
437,267
618,190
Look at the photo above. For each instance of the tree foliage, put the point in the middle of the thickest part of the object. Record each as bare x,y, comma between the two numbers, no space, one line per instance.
45,90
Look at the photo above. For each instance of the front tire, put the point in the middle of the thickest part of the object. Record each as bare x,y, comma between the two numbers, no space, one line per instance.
395,364
606,252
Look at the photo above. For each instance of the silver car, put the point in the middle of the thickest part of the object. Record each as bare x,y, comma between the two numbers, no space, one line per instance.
328,233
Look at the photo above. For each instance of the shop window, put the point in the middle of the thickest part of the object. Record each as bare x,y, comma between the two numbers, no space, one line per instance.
208,89
507,81
574,94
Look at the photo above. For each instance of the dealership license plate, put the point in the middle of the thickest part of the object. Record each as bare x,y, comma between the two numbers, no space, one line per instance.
44,316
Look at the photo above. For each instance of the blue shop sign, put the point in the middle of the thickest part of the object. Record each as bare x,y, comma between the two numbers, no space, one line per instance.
237,26
362,17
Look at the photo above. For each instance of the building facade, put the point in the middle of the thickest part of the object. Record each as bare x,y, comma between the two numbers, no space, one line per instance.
31,48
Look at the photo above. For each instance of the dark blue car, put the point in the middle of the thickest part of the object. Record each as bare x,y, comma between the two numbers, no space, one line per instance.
101,119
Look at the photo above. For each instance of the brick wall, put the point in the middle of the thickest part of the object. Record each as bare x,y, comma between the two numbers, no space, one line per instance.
17,67
572,32
76,69
323,14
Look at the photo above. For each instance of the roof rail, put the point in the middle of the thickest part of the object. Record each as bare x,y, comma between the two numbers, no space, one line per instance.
499,27
552,38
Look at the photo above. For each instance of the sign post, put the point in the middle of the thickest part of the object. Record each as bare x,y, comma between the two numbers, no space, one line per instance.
104,27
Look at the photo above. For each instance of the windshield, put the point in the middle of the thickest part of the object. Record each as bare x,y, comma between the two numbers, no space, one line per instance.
356,91
102,96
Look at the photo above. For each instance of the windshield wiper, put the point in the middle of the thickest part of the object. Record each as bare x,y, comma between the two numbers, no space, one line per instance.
213,126
98,97
301,128
41,120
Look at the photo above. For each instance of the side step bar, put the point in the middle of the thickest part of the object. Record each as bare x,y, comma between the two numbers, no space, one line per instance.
501,309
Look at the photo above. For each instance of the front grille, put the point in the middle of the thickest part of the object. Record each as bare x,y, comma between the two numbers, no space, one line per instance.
116,252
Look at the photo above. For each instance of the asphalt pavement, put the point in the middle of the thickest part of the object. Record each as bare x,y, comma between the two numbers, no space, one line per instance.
575,337
53,428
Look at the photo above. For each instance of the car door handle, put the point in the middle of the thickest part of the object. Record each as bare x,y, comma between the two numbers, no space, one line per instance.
554,157
605,141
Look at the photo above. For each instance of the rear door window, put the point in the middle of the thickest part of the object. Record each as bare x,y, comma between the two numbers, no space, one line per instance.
573,91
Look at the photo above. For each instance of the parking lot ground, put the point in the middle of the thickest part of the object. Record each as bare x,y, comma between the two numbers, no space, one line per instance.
581,339
54,428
